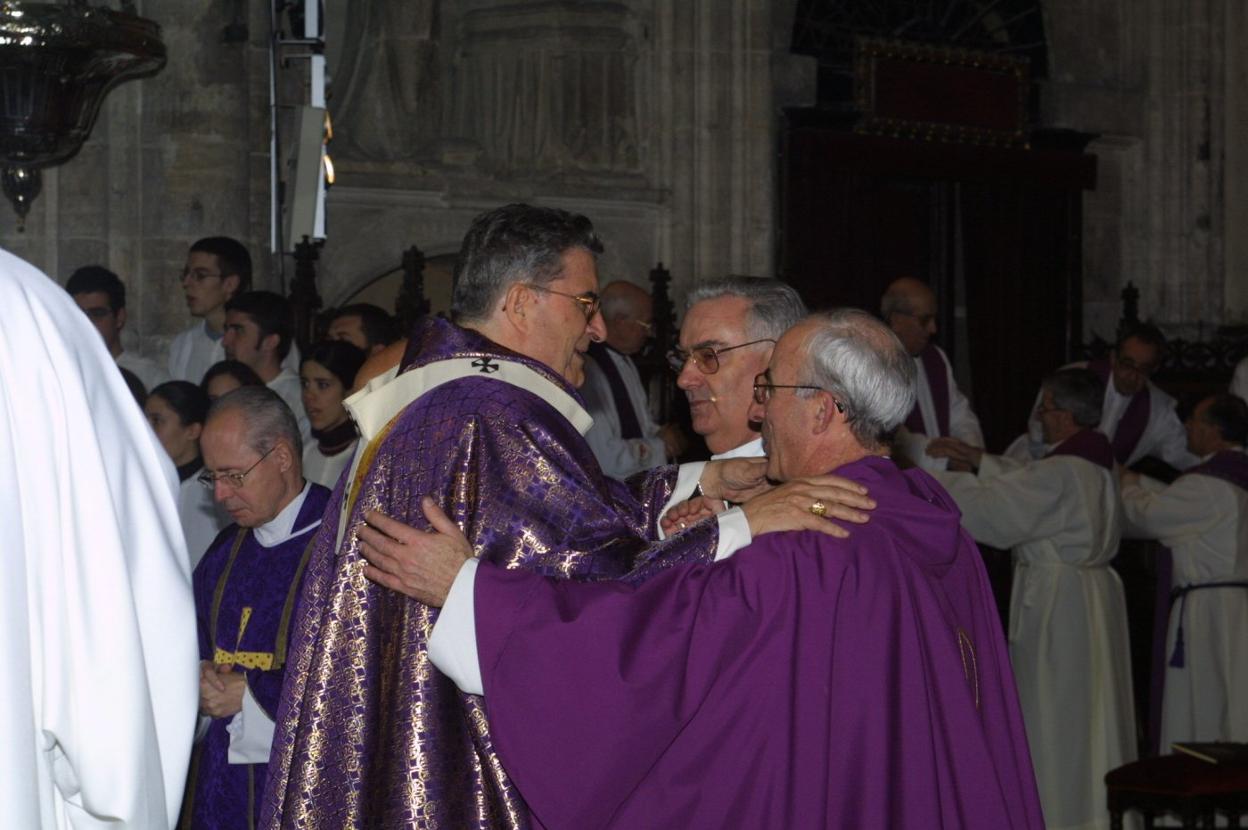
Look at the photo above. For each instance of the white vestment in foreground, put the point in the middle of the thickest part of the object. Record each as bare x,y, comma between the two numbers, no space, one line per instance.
97,624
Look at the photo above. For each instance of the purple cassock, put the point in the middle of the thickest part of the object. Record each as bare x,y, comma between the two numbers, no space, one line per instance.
246,596
806,682
369,733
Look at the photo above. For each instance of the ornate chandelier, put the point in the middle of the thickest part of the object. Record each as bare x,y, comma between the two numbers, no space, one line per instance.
57,62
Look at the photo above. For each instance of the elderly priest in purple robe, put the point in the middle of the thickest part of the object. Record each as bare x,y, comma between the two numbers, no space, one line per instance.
246,593
807,681
485,417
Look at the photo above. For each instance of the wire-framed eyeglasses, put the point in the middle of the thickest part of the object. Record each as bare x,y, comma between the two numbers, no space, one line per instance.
705,358
764,389
235,480
589,301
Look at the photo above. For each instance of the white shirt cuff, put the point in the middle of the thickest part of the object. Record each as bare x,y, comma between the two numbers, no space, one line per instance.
734,532
453,642
687,478
251,733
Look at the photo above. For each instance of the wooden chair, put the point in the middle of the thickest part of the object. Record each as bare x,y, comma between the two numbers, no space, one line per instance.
1180,785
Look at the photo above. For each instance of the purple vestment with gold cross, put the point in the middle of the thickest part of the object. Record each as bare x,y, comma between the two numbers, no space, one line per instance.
245,601
369,733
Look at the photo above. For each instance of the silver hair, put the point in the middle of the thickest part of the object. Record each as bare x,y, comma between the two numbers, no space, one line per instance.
1078,391
774,305
862,363
267,416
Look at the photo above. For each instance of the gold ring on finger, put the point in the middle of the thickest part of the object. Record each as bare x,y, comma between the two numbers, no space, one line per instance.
818,508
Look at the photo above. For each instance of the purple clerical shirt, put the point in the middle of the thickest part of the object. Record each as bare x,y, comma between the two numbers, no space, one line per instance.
807,682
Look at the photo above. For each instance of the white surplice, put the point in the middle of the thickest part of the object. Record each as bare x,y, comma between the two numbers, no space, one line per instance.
1068,620
620,457
324,469
289,388
202,518
97,623
1204,522
1239,380
1164,436
194,351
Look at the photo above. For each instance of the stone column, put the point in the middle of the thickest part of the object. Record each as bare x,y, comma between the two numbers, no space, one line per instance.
716,157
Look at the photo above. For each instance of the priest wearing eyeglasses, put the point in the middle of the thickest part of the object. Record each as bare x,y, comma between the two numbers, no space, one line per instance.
246,592
484,419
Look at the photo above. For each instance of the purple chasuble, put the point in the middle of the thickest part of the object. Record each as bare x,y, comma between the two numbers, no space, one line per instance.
1090,445
1134,420
630,427
938,384
369,733
806,682
245,600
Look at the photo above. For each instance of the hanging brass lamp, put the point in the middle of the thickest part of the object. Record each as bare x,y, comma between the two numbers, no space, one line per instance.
57,62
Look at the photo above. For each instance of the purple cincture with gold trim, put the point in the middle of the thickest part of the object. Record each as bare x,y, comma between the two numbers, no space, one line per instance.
369,733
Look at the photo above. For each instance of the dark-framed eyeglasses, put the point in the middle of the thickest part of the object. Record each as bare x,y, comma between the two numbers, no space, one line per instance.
199,274
235,480
764,389
705,358
589,301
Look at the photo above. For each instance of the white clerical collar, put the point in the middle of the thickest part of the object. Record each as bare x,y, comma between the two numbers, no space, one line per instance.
753,449
282,527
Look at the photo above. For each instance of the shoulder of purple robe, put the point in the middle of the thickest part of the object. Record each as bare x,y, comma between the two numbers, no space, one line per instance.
807,681
523,485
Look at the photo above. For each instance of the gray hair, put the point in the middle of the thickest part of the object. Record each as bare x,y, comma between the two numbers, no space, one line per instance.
862,363
774,306
1078,391
267,416
514,243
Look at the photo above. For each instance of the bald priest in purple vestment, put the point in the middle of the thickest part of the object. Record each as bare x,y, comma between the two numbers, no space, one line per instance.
484,416
807,681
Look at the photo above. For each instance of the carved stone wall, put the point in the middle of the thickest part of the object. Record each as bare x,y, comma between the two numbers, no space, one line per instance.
1164,85
172,158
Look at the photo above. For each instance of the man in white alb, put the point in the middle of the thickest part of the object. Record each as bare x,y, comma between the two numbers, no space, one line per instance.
624,437
1137,416
258,333
102,297
1202,517
940,409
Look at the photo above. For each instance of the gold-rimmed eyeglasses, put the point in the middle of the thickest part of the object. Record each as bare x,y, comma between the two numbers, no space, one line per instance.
589,301
235,480
705,358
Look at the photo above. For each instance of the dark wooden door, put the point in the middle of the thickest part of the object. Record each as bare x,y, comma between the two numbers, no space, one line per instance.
995,231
